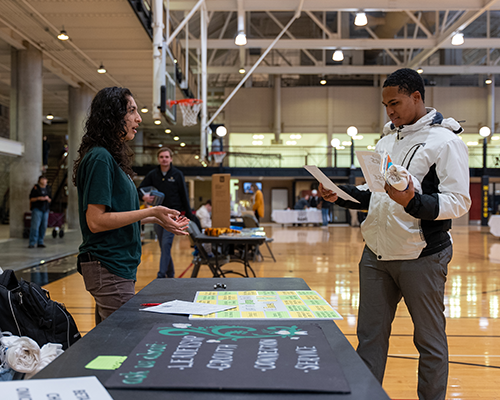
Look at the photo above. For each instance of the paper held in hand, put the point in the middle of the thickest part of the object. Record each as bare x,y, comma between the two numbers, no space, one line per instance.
369,162
327,183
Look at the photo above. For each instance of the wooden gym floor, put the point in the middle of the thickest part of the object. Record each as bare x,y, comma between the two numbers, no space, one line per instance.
327,259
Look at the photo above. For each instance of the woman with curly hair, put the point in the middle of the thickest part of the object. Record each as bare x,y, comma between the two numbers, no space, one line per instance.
108,203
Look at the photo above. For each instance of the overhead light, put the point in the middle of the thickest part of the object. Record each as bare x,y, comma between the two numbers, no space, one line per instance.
352,131
420,70
176,138
182,144
157,121
291,142
144,110
360,19
240,39
167,131
346,143
485,131
488,81
335,142
101,69
221,131
63,35
241,70
322,82
197,157
495,138
338,55
50,116
357,137
457,39
175,60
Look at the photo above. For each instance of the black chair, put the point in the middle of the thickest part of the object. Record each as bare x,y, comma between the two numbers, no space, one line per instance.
216,261
251,222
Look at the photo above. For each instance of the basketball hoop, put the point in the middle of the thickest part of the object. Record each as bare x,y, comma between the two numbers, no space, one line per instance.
189,108
218,156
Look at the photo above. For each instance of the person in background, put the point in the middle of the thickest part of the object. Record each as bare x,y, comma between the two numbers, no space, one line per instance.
45,153
302,204
258,204
407,243
204,214
170,181
325,211
108,205
40,198
314,200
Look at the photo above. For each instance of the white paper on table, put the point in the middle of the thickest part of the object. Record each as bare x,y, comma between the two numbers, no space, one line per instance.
187,307
327,183
370,165
85,387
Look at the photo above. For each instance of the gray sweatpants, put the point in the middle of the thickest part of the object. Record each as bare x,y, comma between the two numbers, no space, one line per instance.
421,282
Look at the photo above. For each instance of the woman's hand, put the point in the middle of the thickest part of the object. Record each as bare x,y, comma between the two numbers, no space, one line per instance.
328,195
401,197
171,220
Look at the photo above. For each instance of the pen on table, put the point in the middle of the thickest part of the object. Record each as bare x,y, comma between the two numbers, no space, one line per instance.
150,304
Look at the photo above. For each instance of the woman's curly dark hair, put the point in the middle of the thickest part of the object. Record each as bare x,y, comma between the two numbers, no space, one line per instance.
106,127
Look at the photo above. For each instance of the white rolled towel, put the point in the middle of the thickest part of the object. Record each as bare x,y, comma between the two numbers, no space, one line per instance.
399,178
48,353
23,353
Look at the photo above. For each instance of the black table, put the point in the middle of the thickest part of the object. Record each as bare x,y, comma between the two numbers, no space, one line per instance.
246,242
123,330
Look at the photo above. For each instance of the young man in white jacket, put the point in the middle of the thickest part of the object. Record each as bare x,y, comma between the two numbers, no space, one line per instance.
408,246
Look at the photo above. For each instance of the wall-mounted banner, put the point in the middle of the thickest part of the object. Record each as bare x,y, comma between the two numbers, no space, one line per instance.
247,356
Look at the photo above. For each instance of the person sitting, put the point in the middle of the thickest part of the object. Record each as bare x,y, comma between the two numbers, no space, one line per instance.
204,214
302,204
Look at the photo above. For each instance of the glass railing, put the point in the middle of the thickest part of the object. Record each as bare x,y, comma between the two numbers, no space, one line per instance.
289,156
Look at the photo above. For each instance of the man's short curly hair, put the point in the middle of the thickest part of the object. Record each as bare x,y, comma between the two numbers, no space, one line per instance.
408,81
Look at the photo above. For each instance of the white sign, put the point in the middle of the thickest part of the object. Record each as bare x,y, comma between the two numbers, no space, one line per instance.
88,388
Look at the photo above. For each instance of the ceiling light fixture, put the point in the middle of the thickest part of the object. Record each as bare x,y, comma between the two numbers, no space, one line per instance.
420,70
50,116
183,144
488,81
322,81
360,19
338,55
241,38
144,110
63,35
241,70
457,39
101,69
167,131
176,138
157,121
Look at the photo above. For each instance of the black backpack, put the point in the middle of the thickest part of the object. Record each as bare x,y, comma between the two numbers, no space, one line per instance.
27,310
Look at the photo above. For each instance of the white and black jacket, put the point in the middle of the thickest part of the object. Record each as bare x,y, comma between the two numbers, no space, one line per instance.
433,153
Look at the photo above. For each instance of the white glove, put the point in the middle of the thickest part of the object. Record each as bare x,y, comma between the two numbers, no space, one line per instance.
399,178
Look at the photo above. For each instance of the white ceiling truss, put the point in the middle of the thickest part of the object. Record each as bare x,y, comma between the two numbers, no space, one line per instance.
399,33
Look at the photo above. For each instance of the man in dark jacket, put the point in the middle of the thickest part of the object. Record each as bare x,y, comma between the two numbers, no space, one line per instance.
170,181
40,205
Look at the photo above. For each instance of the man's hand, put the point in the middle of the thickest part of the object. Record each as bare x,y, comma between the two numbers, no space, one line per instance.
148,198
327,195
403,197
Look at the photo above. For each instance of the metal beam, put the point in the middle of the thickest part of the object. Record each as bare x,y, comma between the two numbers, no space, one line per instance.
391,54
321,25
350,44
329,5
360,70
419,23
8,36
240,84
461,24
184,22
307,53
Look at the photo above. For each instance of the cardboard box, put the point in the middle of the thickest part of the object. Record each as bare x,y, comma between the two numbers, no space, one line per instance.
221,200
